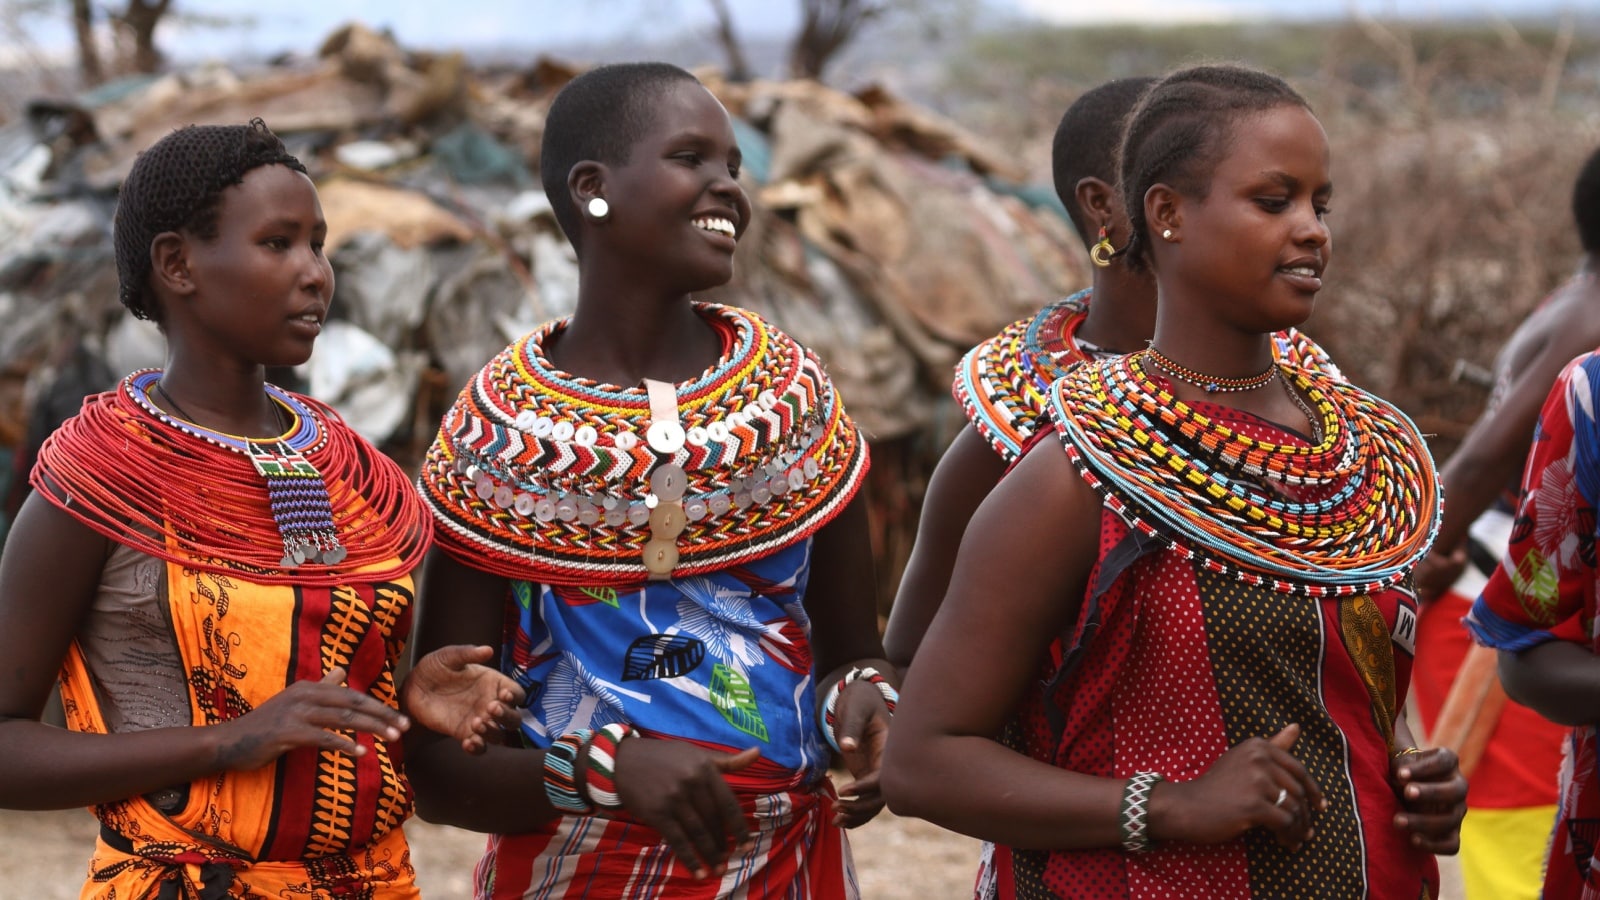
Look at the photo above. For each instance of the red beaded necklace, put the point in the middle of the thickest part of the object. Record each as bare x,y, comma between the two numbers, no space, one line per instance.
171,489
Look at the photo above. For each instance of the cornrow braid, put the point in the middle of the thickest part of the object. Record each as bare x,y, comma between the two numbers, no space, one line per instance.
1181,129
1085,143
177,185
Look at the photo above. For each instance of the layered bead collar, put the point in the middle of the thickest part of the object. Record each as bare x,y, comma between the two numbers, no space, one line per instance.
1351,513
541,475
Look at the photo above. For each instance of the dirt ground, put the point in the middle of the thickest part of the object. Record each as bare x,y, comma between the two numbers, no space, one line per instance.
42,857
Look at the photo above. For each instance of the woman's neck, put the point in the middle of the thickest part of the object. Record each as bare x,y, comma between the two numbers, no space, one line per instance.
624,342
219,397
1122,310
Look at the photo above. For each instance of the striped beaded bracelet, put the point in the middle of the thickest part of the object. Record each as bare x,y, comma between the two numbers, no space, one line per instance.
601,784
891,697
1133,820
561,773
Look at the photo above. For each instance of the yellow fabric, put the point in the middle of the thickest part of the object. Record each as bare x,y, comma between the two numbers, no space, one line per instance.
1503,852
313,823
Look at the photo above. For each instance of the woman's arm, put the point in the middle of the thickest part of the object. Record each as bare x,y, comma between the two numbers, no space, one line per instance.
966,474
1559,680
49,576
1018,583
841,600
500,790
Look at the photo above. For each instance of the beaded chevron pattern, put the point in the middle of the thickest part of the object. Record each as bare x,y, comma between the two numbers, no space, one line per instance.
1232,502
1003,384
540,474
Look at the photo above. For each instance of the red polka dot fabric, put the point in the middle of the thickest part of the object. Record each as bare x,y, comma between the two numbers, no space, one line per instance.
1170,665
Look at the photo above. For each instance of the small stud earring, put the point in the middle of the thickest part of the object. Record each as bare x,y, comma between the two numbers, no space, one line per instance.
1166,234
598,208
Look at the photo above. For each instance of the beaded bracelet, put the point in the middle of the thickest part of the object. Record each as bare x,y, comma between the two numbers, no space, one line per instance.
561,773
1135,809
601,784
891,697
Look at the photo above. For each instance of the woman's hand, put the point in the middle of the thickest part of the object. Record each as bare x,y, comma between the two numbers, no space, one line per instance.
1433,798
452,692
863,728
306,714
1437,572
1256,784
677,788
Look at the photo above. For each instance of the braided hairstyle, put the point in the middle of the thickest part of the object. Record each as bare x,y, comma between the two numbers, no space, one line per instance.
599,116
1181,129
1086,140
1586,204
177,185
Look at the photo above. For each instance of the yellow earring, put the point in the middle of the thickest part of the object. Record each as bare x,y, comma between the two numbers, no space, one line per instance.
1102,252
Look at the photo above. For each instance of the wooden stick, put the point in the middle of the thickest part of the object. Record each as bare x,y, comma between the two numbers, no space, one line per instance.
1472,708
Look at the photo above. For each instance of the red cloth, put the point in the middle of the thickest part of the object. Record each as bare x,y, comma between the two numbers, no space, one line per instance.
1521,761
1169,665
798,855
1545,589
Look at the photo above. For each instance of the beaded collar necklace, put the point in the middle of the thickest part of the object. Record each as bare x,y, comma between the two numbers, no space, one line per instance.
538,474
1349,513
295,489
1003,384
200,498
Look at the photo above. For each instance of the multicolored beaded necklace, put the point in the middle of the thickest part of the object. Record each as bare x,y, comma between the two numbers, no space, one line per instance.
1003,384
538,474
309,507
1232,503
295,490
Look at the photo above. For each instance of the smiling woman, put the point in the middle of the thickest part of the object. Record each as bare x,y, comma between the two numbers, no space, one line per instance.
660,494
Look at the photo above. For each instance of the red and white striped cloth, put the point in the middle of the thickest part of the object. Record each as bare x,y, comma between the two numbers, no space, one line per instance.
798,855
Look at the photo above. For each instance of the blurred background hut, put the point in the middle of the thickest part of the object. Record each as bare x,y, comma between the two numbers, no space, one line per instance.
898,162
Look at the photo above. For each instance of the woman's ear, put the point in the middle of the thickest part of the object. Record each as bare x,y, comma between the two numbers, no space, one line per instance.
1096,198
1163,212
169,264
585,183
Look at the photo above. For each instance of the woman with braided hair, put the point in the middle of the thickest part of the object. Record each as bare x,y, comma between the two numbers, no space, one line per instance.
1193,603
655,502
220,570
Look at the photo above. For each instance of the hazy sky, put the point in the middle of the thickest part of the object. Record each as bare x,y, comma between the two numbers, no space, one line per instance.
297,25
